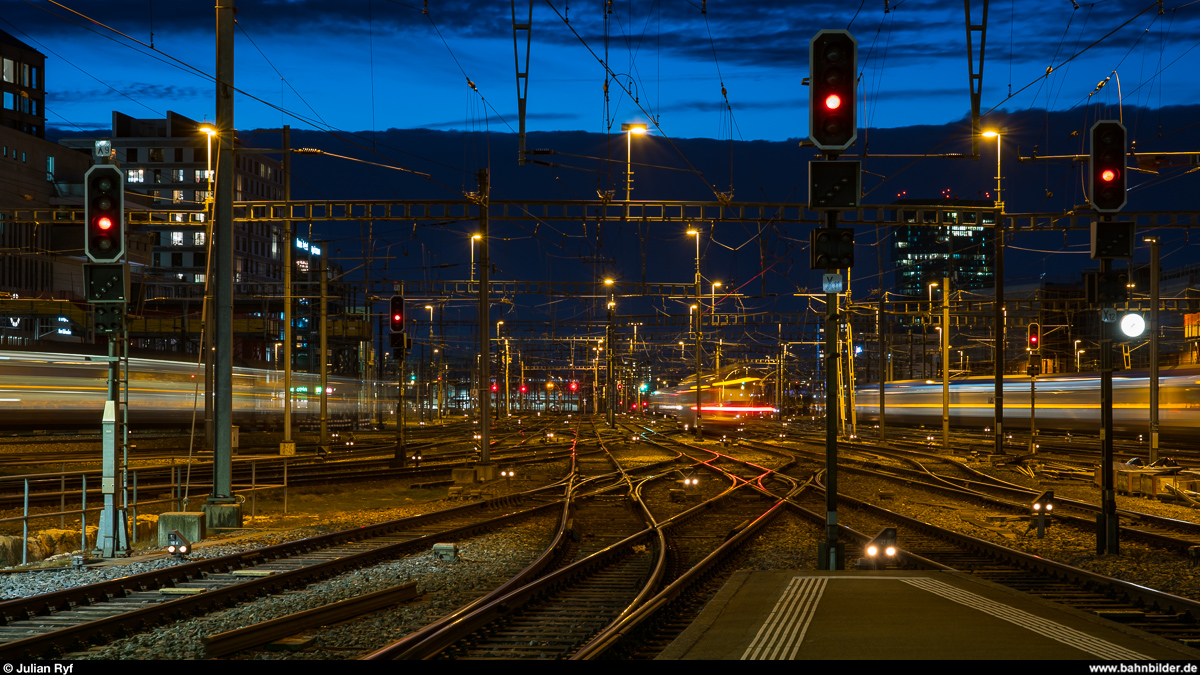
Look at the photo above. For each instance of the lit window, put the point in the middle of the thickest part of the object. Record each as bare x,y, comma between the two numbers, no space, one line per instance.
177,239
197,239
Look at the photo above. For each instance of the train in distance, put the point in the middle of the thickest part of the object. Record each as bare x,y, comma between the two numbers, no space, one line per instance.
50,390
1062,402
728,398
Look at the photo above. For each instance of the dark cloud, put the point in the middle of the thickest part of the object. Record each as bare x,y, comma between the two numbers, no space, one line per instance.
138,91
498,124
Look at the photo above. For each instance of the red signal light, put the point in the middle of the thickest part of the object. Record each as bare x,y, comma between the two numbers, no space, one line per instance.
833,102
1108,175
104,223
495,387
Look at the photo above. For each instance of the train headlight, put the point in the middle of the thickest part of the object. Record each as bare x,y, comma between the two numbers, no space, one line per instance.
872,551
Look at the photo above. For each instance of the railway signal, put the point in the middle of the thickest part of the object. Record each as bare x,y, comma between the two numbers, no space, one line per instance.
1039,509
1107,166
109,318
396,314
834,185
104,213
1035,336
880,550
178,545
833,78
106,282
831,248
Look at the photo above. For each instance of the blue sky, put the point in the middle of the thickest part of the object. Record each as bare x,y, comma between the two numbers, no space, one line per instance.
377,64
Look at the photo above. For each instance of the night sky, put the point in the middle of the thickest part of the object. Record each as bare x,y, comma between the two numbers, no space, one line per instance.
379,64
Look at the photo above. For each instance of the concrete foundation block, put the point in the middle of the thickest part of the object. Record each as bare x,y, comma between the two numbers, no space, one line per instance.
463,476
221,516
189,523
487,472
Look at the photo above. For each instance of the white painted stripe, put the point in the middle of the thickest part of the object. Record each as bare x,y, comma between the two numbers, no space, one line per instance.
783,632
1055,631
793,612
800,615
768,625
812,610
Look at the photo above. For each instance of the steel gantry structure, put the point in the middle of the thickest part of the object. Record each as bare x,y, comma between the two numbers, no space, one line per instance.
682,212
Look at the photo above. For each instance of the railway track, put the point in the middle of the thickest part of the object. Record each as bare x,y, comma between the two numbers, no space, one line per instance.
925,546
966,484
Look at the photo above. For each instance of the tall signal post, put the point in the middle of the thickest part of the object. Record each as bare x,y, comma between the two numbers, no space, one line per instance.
399,343
1033,345
221,507
833,186
1109,240
106,282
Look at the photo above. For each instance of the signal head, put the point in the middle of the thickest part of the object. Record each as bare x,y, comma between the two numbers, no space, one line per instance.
104,214
396,314
1107,188
833,64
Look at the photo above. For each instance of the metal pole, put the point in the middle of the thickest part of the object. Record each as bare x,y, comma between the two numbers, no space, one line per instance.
323,356
699,329
1106,526
946,363
441,349
628,165
485,456
222,490
609,390
883,376
1033,406
83,513
287,446
400,458
829,555
25,526
1154,279
998,417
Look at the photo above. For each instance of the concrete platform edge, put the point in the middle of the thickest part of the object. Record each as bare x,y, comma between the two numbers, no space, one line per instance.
712,610
1080,614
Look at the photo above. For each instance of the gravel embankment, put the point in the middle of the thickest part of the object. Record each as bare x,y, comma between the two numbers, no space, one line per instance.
1138,563
484,562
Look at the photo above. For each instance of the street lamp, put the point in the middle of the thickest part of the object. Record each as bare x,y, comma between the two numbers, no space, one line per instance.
630,130
715,286
474,238
1078,351
993,133
699,322
609,391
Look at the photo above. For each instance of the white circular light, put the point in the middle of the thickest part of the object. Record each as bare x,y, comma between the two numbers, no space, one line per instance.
1132,325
